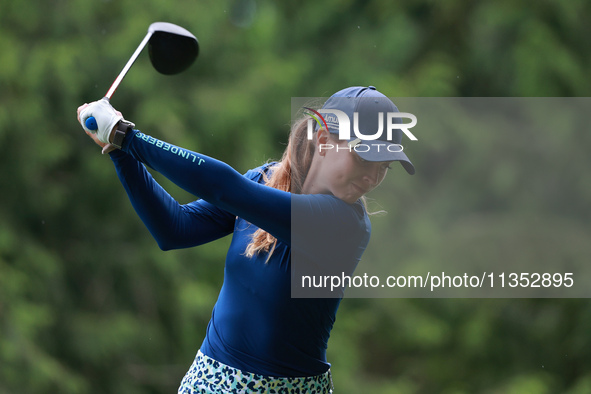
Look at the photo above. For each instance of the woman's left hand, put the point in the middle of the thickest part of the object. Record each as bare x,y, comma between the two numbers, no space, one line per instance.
106,146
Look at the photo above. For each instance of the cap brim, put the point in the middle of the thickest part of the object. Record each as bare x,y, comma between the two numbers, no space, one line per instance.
383,151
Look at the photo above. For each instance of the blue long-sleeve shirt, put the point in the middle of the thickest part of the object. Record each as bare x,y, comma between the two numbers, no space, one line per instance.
256,325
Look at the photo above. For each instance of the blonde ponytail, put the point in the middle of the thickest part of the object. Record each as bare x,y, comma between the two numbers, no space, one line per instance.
287,175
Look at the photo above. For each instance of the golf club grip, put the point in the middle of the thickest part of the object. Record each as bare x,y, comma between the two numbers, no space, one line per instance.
91,123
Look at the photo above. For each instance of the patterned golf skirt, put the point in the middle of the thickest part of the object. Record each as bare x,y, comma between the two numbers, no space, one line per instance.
207,375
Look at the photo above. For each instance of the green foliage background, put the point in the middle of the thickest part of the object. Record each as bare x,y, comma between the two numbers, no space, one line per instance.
89,304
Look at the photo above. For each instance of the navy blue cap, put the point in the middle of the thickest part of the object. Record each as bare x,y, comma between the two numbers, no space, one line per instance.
367,102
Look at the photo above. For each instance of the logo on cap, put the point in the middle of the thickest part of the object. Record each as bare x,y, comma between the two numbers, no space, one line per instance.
338,120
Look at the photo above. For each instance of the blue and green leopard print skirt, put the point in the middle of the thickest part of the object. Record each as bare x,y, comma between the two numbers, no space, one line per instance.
207,375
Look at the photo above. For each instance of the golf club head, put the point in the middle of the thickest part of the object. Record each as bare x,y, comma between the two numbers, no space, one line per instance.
172,48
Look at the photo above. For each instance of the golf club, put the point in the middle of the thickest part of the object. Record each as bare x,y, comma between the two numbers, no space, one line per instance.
172,50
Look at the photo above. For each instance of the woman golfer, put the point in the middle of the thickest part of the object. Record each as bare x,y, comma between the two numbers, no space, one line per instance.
302,215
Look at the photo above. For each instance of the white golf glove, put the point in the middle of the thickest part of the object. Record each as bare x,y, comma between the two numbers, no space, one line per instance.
106,118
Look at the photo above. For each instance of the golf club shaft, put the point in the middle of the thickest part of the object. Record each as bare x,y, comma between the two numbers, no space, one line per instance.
91,121
130,62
